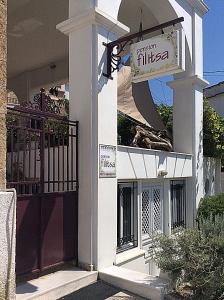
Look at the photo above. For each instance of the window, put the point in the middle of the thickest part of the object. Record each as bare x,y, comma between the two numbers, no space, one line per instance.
152,220
178,204
127,217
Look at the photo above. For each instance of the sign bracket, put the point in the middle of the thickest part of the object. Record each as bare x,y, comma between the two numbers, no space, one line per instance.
114,59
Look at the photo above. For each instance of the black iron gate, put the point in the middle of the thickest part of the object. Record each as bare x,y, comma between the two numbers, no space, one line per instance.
42,165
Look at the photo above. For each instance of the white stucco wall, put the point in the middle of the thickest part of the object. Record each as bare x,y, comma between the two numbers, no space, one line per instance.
217,103
212,176
137,163
215,96
137,264
139,258
93,103
7,245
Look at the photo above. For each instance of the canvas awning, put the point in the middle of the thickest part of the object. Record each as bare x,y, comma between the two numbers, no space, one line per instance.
135,100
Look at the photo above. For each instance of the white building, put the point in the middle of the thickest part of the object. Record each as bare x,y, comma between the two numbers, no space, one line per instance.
54,42
215,96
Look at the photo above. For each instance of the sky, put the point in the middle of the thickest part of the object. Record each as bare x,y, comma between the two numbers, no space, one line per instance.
213,38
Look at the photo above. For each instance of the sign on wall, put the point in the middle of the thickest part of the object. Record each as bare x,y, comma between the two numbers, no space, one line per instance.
158,56
107,161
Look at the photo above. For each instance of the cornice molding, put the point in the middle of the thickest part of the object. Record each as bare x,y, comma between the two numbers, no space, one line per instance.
93,16
193,80
200,5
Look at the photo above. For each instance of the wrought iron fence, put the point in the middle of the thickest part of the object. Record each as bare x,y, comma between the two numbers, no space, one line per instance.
42,148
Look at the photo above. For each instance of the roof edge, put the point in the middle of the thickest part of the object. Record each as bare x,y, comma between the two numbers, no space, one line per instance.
200,5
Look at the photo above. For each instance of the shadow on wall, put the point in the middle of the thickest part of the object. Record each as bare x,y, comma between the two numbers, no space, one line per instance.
199,167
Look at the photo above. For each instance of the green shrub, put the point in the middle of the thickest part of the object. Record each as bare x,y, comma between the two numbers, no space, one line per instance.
213,128
211,206
166,113
213,132
194,259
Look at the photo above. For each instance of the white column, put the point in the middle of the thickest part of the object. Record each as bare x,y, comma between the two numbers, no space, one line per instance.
188,108
218,188
93,102
166,207
187,128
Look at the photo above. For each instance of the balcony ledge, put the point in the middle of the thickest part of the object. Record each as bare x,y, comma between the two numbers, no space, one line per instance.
128,255
138,163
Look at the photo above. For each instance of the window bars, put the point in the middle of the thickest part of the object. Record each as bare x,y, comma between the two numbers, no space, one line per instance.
178,204
151,210
127,229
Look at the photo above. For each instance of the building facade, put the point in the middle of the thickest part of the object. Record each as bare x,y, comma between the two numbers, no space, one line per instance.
53,43
215,96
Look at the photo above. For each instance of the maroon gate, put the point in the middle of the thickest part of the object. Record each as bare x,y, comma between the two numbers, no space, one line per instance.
42,151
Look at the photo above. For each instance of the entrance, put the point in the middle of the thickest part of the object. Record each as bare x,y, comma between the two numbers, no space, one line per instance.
42,151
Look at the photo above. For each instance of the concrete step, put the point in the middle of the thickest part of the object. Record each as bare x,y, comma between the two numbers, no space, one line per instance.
55,285
144,285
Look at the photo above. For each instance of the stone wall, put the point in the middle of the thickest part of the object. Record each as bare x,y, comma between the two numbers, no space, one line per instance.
7,199
3,94
7,245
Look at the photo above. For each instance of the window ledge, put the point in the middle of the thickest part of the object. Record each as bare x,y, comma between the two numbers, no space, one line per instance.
128,255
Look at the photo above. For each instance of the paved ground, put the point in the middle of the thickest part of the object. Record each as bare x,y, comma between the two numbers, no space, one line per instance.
101,291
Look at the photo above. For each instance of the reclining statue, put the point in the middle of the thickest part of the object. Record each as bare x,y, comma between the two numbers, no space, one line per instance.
148,137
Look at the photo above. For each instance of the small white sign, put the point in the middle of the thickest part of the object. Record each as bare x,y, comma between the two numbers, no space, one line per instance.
158,56
107,161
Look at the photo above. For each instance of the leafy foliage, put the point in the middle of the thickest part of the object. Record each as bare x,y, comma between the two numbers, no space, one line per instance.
213,128
166,113
194,259
213,132
211,206
126,130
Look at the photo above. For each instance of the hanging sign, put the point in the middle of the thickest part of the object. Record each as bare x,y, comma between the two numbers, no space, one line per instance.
158,56
107,161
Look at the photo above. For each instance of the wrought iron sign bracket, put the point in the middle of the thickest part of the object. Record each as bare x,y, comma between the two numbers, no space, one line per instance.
114,59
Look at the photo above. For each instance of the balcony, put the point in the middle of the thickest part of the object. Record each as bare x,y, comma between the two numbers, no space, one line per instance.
138,163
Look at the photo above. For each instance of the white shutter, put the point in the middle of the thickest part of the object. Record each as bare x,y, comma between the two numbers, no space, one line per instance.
152,216
146,212
157,209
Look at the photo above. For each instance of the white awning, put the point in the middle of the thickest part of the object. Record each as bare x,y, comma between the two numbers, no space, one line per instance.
135,100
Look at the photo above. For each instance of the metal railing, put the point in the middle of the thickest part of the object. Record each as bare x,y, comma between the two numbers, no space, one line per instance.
42,149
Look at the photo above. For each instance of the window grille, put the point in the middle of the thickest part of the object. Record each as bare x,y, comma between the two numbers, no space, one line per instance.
151,210
178,204
157,213
146,227
127,212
